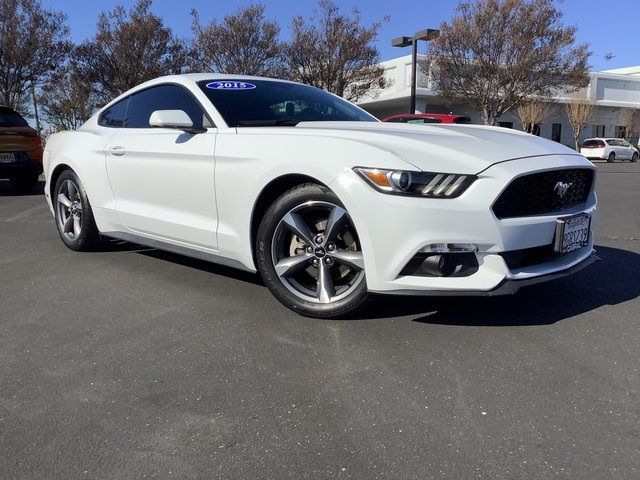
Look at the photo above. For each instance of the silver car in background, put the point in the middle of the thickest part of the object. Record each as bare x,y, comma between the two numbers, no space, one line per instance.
609,149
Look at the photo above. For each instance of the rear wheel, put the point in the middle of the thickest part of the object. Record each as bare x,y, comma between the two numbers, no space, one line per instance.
309,254
634,158
24,182
74,217
612,157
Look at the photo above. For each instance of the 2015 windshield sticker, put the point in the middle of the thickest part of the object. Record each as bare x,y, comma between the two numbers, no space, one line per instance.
230,85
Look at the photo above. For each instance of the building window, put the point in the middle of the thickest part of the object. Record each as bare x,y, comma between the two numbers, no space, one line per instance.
597,131
621,131
556,132
506,124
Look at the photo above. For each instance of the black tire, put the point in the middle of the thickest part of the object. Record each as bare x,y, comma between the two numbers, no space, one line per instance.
24,182
88,237
612,158
634,158
274,231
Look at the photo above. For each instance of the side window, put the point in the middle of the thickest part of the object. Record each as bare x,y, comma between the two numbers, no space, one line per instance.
114,115
163,97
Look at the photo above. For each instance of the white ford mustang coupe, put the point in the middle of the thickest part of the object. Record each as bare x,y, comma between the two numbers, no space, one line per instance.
324,201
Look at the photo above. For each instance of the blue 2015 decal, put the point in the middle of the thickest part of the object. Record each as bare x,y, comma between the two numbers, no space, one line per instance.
230,85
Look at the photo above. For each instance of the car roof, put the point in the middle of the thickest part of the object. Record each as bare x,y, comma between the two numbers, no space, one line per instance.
190,79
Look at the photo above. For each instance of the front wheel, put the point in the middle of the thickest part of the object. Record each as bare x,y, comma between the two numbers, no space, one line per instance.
74,217
309,254
635,157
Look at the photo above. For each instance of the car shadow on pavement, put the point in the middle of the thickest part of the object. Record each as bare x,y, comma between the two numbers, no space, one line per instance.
205,266
611,281
6,190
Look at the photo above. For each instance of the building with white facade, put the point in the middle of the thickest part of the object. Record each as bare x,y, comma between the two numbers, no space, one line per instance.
613,91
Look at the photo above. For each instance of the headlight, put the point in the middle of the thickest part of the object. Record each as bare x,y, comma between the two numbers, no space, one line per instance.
418,184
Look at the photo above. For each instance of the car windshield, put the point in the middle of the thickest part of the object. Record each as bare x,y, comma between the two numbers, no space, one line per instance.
593,143
267,103
11,118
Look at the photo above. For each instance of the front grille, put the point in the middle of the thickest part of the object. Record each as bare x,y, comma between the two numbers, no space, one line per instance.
536,194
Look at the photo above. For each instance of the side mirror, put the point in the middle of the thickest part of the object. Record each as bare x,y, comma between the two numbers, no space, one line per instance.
177,119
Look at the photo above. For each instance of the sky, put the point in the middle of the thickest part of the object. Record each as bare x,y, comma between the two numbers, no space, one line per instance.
602,25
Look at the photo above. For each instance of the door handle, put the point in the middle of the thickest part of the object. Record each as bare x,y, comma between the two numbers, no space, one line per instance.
117,151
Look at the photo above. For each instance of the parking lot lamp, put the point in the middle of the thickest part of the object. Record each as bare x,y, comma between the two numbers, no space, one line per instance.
426,35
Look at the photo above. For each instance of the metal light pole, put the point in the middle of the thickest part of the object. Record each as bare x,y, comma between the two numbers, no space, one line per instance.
426,35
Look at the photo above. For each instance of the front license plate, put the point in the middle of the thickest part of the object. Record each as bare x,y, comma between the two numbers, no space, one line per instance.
7,157
572,233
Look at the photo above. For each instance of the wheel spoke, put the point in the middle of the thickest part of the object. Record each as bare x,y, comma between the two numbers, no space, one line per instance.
297,225
335,221
76,225
325,290
290,265
349,258
68,224
71,188
64,200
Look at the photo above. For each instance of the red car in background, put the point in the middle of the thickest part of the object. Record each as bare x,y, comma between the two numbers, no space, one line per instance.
419,118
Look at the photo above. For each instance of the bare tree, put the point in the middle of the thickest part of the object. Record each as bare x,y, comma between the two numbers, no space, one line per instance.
631,122
580,110
65,101
33,42
335,52
129,47
533,112
244,43
496,53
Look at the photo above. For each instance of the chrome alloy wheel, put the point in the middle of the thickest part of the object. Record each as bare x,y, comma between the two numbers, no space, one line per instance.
69,209
316,252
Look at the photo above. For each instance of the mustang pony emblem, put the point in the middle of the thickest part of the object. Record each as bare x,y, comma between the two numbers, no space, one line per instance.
562,188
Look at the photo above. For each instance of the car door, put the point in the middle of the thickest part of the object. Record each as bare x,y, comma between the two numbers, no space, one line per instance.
619,149
162,178
629,150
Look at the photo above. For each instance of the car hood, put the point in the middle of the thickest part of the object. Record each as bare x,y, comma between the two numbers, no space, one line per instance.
443,148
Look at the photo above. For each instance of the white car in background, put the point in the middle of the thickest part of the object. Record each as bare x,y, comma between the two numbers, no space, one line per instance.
327,203
609,149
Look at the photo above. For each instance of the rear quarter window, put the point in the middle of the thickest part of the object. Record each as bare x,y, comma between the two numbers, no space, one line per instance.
114,115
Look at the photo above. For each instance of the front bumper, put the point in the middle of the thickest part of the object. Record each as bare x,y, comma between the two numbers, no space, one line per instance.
392,229
507,287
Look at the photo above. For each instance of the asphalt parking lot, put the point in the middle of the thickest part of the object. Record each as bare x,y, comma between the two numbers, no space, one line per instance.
132,363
